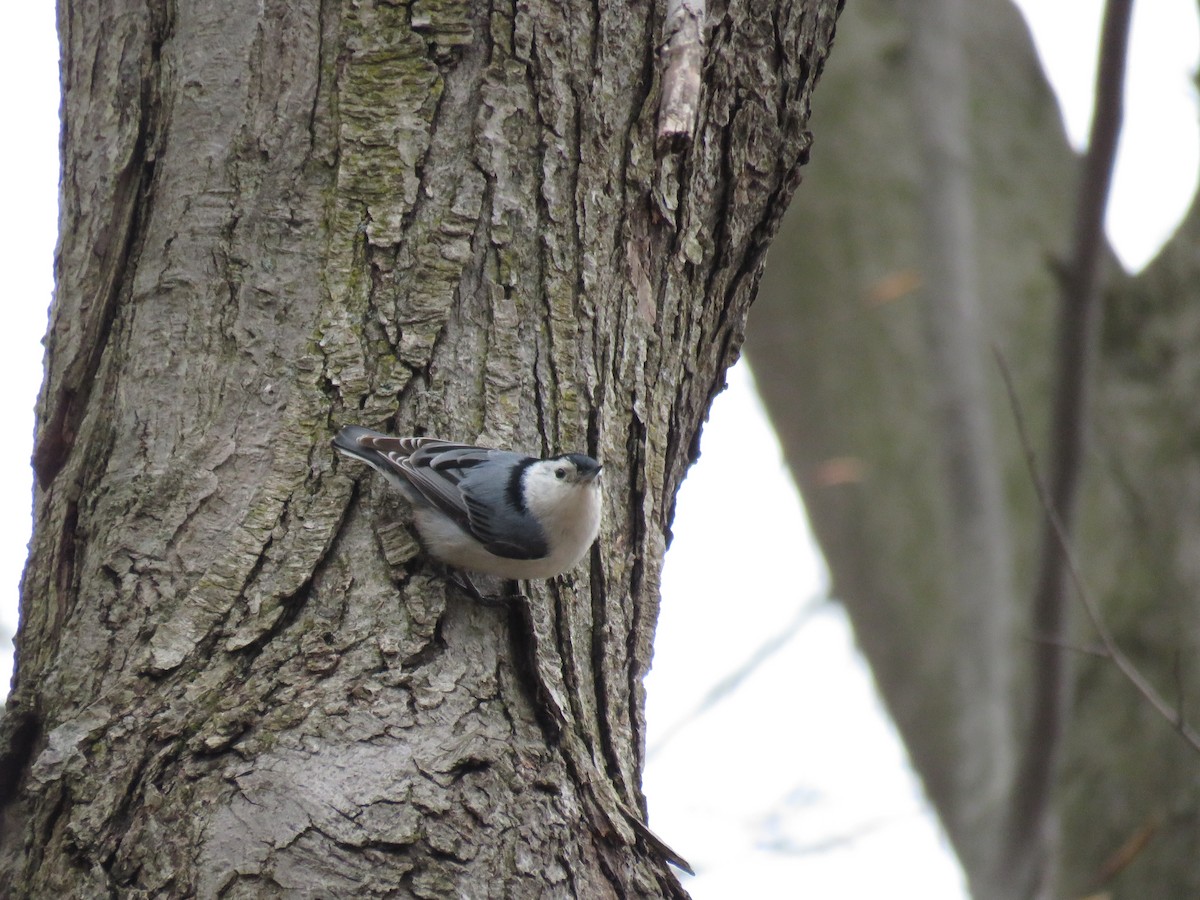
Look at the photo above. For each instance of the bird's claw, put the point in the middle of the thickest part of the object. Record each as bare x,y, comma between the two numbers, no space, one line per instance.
467,586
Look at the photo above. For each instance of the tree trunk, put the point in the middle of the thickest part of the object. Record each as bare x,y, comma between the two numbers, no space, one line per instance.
839,347
237,675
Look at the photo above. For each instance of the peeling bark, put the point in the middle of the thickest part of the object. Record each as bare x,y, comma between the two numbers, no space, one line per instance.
236,673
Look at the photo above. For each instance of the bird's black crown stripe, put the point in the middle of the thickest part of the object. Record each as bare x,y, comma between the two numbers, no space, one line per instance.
582,462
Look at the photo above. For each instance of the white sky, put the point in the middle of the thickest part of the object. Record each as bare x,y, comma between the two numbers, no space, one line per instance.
1156,165
793,783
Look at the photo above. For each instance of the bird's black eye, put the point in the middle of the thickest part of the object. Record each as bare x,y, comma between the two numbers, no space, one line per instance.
560,473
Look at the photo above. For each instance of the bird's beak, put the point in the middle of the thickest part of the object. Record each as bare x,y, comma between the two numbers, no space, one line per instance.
592,474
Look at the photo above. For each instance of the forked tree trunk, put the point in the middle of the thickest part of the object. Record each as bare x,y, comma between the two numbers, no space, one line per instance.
236,674
841,355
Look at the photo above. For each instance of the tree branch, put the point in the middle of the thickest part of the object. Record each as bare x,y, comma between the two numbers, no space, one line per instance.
1078,321
734,679
1111,650
971,496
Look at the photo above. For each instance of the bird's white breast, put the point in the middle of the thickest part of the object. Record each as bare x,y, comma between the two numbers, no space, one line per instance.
569,516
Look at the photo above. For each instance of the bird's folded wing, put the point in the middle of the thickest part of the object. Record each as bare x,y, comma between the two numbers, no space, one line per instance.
437,469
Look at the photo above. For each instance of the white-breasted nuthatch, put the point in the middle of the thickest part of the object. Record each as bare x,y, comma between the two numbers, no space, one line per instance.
490,511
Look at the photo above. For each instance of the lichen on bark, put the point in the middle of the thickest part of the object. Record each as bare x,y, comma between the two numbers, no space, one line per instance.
238,675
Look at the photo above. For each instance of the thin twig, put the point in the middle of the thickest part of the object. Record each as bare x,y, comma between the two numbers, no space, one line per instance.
1129,851
1114,652
1098,652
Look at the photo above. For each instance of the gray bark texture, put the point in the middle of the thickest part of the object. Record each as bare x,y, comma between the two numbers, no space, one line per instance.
237,675
847,343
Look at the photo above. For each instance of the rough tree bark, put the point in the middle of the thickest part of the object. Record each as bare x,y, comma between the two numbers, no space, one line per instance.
838,342
236,674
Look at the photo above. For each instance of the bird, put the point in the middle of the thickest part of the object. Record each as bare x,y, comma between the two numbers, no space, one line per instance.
489,511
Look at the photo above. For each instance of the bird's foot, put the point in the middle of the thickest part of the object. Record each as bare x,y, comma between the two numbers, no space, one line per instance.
464,583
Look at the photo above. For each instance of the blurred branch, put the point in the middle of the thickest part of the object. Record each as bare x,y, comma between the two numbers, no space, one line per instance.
1079,314
734,679
1110,649
1099,652
971,494
835,840
1129,851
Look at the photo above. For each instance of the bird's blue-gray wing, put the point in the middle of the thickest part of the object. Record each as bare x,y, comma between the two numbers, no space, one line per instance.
381,452
410,464
492,495
435,469
476,488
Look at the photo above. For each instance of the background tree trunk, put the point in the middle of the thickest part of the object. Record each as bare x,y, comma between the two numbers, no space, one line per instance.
838,343
236,674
